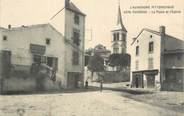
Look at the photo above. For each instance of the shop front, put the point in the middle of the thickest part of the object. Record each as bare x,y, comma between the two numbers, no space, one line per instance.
144,79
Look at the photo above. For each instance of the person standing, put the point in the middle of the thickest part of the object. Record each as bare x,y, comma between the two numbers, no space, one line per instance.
86,84
101,85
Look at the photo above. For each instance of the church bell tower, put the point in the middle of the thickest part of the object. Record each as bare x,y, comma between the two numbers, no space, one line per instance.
119,35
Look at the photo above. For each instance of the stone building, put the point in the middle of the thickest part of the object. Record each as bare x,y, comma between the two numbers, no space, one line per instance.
155,55
119,36
73,30
58,45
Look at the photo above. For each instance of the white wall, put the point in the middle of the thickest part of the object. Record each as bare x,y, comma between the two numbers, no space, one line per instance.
120,42
19,41
69,26
143,42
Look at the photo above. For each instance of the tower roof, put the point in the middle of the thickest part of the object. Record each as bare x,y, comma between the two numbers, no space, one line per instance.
119,24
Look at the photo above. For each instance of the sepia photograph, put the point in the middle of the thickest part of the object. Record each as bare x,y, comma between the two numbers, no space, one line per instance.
91,58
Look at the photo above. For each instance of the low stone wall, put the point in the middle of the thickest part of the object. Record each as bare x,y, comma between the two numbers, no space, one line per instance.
28,85
19,84
111,76
21,81
172,87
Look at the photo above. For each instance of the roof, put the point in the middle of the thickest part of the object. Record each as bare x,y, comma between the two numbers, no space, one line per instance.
119,24
176,51
71,6
152,31
2,28
39,26
23,27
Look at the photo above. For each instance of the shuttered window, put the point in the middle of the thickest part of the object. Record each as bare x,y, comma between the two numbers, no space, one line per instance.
75,59
150,63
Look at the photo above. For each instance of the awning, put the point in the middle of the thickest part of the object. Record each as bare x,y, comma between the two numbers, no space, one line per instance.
147,72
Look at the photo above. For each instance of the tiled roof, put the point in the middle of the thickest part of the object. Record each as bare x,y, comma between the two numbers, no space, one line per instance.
73,8
23,27
152,31
174,51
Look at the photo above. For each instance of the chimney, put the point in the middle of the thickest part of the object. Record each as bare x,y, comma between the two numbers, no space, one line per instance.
67,2
162,30
9,26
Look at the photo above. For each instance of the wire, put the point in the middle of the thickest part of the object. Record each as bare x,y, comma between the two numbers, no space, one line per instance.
56,14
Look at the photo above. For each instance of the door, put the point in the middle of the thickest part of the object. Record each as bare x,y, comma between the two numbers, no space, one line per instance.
138,80
73,79
150,81
6,63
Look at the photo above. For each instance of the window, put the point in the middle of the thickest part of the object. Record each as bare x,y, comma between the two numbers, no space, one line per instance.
76,37
47,41
37,58
75,60
114,36
117,34
150,63
179,56
151,46
137,50
115,50
49,61
137,65
43,59
52,62
4,38
76,19
123,37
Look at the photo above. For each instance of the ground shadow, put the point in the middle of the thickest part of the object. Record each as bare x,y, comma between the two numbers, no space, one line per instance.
74,90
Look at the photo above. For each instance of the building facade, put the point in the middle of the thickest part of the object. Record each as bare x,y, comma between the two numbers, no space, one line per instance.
119,36
174,70
149,59
22,47
58,45
73,30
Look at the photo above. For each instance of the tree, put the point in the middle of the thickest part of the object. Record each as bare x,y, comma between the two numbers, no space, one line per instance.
88,54
89,51
119,60
96,64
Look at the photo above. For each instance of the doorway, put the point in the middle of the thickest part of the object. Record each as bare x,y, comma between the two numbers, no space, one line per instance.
150,81
73,79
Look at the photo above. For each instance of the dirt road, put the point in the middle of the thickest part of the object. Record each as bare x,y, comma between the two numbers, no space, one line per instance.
107,103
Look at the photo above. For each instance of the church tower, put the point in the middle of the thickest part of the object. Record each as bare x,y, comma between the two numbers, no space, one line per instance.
119,35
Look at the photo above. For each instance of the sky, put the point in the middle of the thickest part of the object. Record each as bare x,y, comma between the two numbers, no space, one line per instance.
101,17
